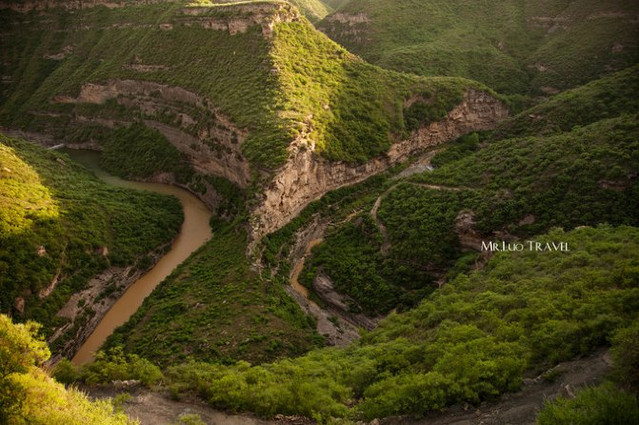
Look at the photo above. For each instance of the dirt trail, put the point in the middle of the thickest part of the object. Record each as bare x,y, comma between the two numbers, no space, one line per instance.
154,408
382,229
420,166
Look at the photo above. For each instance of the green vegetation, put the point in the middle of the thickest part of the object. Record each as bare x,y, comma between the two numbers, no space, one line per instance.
625,353
470,341
604,98
613,402
593,406
107,367
314,10
138,151
350,109
214,308
354,106
57,218
512,46
570,179
380,282
29,396
551,181
247,80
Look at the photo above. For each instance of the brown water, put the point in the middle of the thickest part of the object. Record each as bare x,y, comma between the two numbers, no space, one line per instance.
194,232
299,266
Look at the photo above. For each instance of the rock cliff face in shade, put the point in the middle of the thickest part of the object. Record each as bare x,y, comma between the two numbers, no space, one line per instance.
215,150
306,177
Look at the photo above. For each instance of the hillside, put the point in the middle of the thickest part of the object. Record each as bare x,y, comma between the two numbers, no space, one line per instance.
566,162
240,62
439,214
477,337
60,226
235,98
512,46
215,308
29,395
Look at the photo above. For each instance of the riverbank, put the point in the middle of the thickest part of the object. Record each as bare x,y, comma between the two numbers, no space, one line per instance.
194,232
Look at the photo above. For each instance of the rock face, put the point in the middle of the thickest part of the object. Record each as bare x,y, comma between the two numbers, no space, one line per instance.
339,304
86,308
244,16
214,150
306,176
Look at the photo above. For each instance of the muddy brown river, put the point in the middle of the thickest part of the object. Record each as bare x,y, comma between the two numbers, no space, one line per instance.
194,232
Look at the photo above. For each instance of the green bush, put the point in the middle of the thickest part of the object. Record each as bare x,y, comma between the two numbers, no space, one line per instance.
114,365
625,353
66,372
602,405
29,396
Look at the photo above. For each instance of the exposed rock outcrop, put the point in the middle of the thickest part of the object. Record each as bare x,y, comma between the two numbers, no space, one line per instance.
19,305
244,16
340,304
347,26
469,239
349,18
86,308
214,150
45,292
306,176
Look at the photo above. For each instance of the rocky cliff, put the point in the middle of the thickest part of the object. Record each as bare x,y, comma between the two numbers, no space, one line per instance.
229,87
212,149
306,176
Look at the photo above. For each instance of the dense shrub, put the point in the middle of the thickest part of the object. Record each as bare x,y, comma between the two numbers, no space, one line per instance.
114,365
29,396
603,405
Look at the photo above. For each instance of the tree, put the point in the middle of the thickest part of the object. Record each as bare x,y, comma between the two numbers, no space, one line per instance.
20,349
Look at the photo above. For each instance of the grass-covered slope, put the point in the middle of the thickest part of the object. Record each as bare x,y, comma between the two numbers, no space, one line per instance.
214,308
473,339
519,187
607,97
548,166
258,63
28,395
55,221
513,46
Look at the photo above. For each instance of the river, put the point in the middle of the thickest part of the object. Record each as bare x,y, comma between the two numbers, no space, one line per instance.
194,233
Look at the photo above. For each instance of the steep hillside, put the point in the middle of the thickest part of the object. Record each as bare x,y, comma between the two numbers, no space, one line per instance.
607,97
251,89
561,163
29,395
215,308
60,226
512,46
476,338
